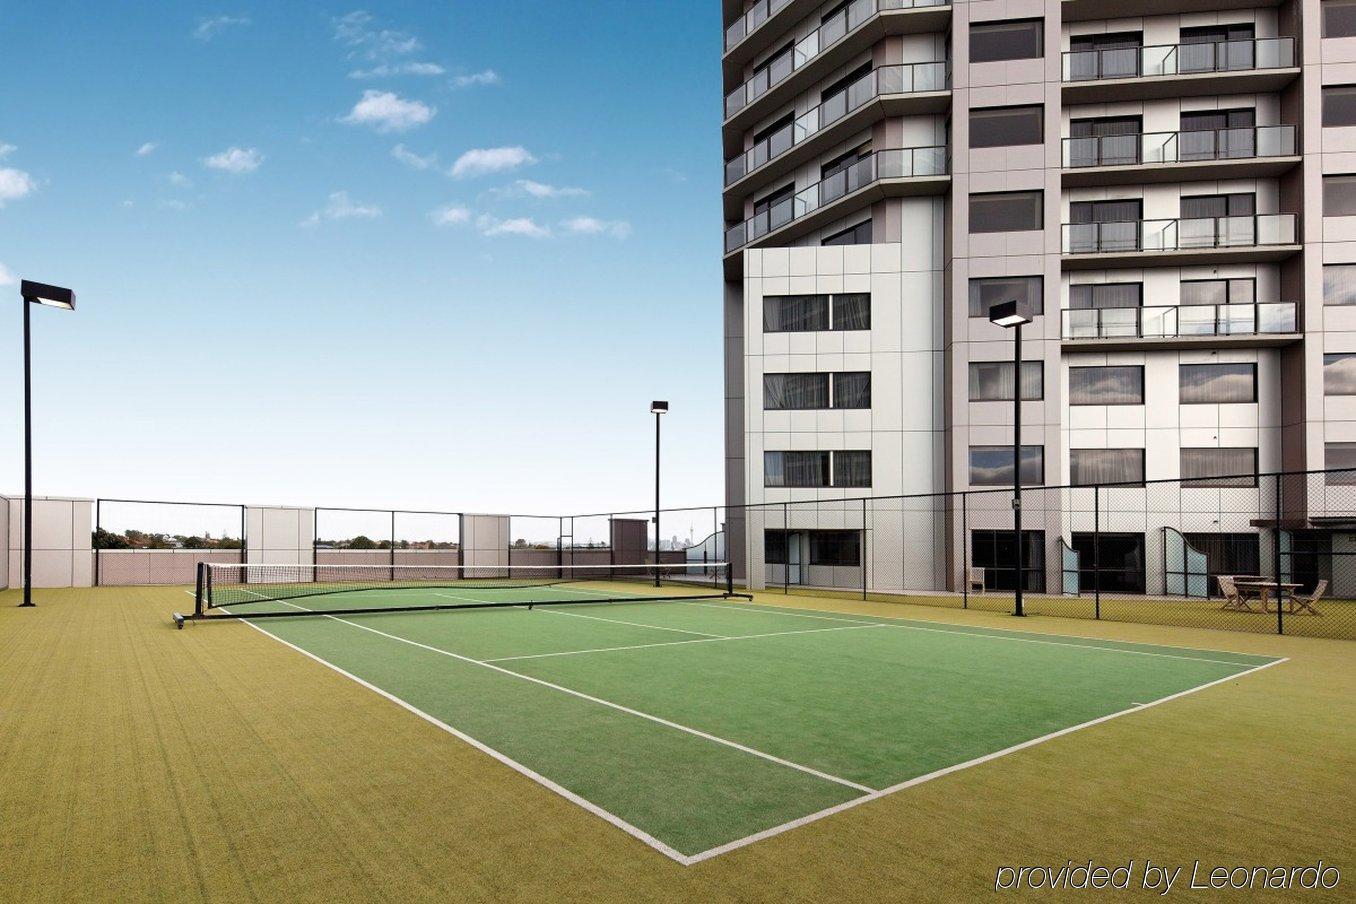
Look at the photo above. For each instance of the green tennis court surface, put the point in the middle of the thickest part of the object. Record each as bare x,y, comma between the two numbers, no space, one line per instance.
698,725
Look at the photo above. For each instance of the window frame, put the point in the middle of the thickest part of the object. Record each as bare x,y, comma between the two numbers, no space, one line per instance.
1339,186
1350,297
1343,105
994,196
1202,365
987,449
1349,6
1133,481
1014,111
1087,367
1227,481
1033,300
1330,358
1037,367
994,26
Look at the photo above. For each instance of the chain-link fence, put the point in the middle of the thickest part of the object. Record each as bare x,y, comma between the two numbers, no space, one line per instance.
138,541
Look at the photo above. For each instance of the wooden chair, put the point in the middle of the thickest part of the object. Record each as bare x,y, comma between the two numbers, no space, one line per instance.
1232,598
975,580
1299,603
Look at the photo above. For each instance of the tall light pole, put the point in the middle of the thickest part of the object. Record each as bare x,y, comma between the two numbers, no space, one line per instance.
1013,314
659,409
55,297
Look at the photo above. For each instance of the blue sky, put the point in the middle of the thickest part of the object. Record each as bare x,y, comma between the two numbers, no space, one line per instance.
408,254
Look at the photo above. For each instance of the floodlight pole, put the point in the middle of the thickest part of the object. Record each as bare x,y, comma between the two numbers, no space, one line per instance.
1017,460
28,460
659,409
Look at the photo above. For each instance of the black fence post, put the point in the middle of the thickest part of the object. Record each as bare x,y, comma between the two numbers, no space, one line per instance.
965,553
98,523
863,555
1097,551
393,556
1276,549
786,542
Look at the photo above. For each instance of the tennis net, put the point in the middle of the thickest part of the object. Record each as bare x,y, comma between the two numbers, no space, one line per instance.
259,591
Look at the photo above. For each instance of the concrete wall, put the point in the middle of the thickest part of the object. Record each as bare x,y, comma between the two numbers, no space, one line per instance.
485,540
279,535
4,542
121,567
62,547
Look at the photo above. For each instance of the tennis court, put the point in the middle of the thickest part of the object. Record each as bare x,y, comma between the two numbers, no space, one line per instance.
701,724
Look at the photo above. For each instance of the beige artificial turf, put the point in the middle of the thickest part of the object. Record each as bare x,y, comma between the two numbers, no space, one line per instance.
138,762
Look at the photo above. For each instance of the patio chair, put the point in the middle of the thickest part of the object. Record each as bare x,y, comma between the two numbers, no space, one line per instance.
1232,598
975,580
1300,603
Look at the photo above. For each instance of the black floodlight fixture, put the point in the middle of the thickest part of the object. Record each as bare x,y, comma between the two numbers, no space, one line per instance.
1010,313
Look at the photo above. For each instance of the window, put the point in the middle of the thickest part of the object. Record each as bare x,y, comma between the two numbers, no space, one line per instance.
1227,554
773,69
810,313
1339,284
1339,374
852,389
1339,196
1217,384
1006,211
1210,48
1113,562
991,381
1217,134
1105,55
1211,120
831,94
989,291
1122,385
1106,295
774,547
1239,204
767,202
835,547
1020,39
991,466
1219,291
1105,141
1339,105
1092,466
853,235
1219,467
795,392
817,469
1341,458
996,552
992,127
852,468
843,162
1339,18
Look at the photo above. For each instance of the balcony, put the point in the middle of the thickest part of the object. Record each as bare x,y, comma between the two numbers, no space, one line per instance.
750,22
1180,156
1108,329
1179,70
1090,10
884,174
856,28
1172,243
909,88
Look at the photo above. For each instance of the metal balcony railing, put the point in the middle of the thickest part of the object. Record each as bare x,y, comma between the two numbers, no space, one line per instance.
900,163
1180,147
1179,59
759,13
1179,234
1174,322
825,36
909,78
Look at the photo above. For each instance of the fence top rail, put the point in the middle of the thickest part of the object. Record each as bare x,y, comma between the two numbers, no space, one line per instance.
240,505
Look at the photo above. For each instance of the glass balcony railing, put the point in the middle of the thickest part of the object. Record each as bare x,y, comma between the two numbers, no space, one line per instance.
1175,322
906,79
1179,235
1179,59
847,20
1180,147
744,26
902,163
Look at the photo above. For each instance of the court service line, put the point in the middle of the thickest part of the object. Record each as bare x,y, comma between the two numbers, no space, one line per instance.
735,745
679,643
988,757
1009,637
618,621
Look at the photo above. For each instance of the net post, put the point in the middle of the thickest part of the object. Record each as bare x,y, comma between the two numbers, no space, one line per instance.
201,587
729,573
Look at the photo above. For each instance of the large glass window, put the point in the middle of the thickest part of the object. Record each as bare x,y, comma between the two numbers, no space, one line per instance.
1092,466
835,547
991,381
1227,554
810,313
1006,211
1339,18
1219,467
1339,105
850,468
1236,204
1339,284
992,127
1339,374
1113,562
1019,39
1219,291
1339,196
991,466
1340,460
1217,384
989,291
1106,295
795,392
996,552
852,389
1119,385
853,235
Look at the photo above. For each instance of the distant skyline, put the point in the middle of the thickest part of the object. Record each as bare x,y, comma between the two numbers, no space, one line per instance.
400,254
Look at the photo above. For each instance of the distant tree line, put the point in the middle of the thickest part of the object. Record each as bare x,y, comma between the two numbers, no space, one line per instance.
364,542
135,539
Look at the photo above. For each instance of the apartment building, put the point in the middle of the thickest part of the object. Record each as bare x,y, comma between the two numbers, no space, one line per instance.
1171,187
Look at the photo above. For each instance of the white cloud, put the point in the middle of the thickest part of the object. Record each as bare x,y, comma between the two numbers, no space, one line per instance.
209,28
411,159
618,229
146,149
542,190
235,160
449,215
388,70
477,79
173,204
482,161
386,112
7,278
342,207
358,32
15,184
6,150
179,180
523,226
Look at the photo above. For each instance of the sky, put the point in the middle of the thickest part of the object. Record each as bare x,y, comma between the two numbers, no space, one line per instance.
433,255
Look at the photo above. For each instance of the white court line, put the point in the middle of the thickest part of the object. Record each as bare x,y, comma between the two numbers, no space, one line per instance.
679,643
876,795
617,621
1008,637
608,703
